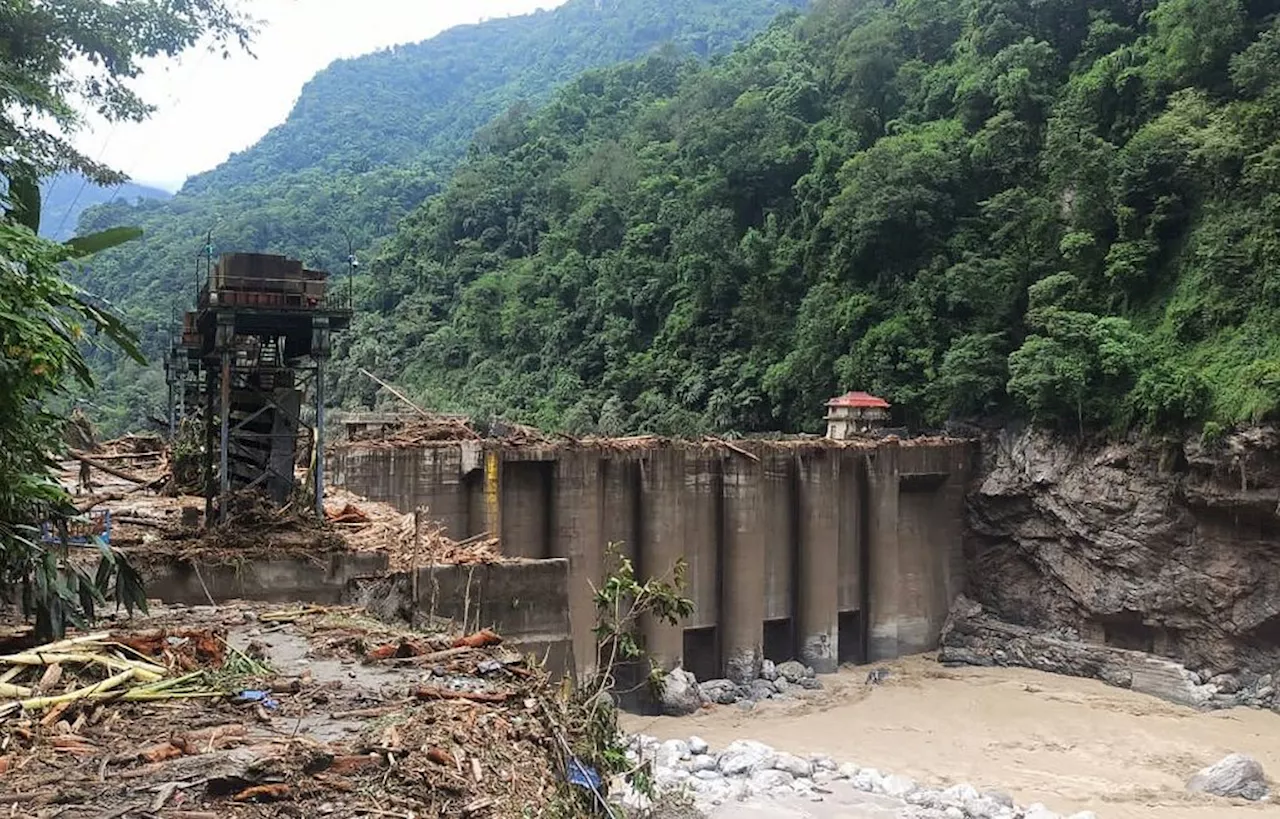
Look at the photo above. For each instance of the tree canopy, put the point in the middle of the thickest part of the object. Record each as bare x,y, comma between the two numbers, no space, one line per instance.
46,322
59,60
1063,210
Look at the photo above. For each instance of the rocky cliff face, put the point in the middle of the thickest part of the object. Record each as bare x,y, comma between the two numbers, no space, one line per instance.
1165,546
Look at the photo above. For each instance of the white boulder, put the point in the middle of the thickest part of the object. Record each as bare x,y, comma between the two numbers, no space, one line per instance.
793,765
1237,775
745,757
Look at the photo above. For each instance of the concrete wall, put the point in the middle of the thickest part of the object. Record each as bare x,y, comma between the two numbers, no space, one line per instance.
525,601
311,579
406,478
821,550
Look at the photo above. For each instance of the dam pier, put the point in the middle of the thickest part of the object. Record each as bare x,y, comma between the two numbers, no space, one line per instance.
826,551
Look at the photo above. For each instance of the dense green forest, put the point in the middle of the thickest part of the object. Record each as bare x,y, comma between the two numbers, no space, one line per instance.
369,139
1058,209
65,196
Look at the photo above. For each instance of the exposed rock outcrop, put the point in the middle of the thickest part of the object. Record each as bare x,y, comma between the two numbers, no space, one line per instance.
1161,546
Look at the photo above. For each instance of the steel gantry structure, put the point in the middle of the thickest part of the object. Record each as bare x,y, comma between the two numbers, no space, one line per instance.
253,352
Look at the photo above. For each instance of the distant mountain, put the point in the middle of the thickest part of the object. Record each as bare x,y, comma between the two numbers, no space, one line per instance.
369,140
425,101
67,195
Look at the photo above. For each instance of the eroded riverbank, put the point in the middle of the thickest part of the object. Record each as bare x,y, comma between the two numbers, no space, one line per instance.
1069,743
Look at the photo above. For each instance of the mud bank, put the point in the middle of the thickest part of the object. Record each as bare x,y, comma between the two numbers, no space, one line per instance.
1165,546
1071,744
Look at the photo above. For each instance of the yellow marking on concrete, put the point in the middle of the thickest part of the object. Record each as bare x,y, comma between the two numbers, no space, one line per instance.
492,496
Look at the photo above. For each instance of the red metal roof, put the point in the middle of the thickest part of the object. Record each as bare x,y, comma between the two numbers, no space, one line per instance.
861,400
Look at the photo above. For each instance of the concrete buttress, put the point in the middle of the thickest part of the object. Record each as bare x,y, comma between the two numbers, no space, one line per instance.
818,610
576,535
743,590
884,609
662,544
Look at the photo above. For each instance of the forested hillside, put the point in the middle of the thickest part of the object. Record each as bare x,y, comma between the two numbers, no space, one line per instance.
65,196
370,139
1061,209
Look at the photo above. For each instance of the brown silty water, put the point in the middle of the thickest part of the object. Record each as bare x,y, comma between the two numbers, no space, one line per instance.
1069,743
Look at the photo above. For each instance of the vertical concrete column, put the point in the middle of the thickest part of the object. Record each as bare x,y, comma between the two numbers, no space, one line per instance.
620,506
742,618
936,553
700,517
883,607
576,519
818,609
781,532
662,544
953,496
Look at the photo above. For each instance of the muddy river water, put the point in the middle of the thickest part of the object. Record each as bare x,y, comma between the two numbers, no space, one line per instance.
1071,744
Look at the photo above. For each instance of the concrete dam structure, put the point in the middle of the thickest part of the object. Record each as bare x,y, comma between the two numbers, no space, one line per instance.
818,550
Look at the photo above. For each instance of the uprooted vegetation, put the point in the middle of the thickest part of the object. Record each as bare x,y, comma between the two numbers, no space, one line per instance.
241,711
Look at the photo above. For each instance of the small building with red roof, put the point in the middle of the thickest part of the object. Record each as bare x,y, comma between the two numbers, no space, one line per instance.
855,413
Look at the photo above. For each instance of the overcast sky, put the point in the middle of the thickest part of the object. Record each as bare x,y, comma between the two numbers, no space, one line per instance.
210,107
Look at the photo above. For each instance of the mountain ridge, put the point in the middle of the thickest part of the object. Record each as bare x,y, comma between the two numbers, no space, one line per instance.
64,197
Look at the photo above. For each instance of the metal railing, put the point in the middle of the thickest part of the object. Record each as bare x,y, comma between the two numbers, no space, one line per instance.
274,294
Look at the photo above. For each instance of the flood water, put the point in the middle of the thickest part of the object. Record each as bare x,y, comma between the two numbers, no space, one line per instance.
1071,744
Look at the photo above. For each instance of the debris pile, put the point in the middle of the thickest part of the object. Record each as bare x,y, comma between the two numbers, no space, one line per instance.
119,470
105,667
321,711
431,428
370,526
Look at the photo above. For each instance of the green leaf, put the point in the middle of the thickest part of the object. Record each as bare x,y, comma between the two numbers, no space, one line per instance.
82,246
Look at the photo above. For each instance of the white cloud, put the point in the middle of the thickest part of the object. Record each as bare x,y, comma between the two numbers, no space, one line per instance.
210,107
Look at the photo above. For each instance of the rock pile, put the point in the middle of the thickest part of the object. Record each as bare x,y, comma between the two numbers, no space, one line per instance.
748,771
683,694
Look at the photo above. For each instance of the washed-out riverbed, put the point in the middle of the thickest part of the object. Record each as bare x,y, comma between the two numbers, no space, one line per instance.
1071,744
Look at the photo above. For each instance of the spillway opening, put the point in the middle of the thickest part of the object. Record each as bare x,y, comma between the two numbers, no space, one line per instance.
852,648
702,652
779,640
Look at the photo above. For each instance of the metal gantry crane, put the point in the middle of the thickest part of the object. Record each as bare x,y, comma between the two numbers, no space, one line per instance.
253,352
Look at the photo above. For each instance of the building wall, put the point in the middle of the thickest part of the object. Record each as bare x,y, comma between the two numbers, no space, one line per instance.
815,550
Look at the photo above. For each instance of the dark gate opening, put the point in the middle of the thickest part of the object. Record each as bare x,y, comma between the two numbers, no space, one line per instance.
779,640
1126,630
853,648
702,652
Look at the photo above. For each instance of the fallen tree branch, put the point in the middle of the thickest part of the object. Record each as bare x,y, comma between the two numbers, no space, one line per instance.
744,453
110,470
433,693
137,521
